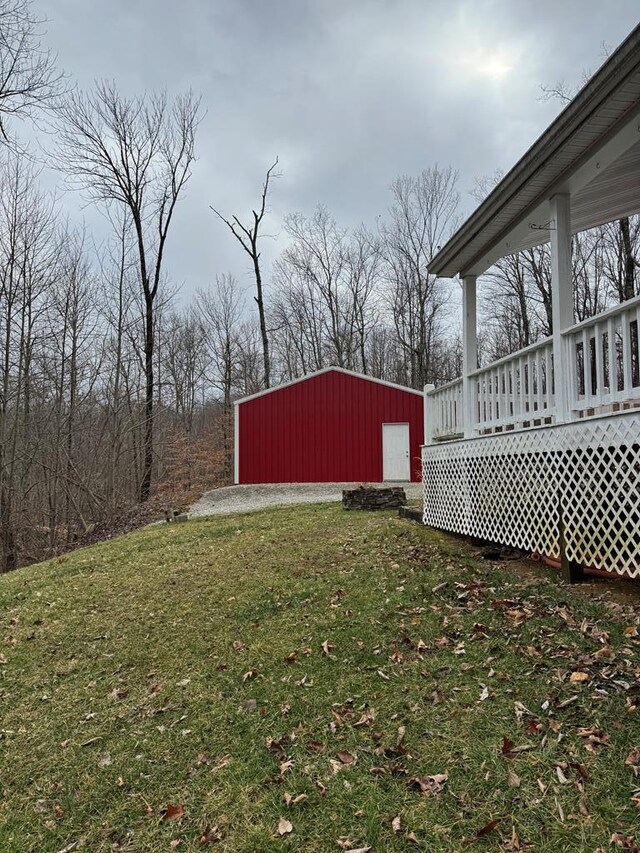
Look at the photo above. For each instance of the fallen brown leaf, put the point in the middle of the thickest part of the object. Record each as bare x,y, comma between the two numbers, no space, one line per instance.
487,829
579,677
284,826
626,842
513,780
171,812
507,746
633,759
211,835
430,785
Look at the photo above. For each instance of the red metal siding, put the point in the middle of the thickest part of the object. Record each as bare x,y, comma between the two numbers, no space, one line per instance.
327,428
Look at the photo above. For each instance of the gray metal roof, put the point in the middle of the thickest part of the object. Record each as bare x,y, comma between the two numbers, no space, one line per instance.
591,151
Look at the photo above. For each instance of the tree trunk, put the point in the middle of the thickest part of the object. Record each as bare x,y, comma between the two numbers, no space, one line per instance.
266,361
145,485
628,262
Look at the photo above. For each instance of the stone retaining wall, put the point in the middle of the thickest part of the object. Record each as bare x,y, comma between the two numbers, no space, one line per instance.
364,498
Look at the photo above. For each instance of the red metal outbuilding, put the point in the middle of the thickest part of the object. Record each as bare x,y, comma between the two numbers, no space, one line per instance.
332,426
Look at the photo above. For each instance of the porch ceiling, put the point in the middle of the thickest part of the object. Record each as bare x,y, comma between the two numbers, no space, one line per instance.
591,151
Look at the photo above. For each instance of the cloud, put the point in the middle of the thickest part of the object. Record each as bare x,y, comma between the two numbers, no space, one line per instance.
349,95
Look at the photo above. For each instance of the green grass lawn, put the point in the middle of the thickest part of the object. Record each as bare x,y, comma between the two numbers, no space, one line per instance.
350,677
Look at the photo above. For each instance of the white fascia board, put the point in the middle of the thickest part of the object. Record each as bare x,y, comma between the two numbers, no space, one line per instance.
533,228
236,444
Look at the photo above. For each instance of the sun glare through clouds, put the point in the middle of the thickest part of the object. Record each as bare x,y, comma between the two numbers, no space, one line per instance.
496,65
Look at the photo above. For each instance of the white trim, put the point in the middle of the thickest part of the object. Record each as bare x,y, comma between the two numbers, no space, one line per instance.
426,414
561,300
236,444
469,353
328,370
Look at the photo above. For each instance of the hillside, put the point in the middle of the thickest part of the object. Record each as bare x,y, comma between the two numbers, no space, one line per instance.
348,680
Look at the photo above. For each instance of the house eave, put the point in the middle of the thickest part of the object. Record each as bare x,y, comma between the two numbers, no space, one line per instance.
606,103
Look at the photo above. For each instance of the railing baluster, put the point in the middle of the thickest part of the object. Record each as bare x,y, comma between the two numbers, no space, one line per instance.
586,364
626,352
523,394
613,358
599,366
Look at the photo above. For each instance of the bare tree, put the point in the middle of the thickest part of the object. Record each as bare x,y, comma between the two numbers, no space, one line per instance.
221,310
248,236
315,263
29,253
119,285
135,153
423,214
28,77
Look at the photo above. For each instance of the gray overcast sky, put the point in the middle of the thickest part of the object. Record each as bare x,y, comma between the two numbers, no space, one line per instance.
348,93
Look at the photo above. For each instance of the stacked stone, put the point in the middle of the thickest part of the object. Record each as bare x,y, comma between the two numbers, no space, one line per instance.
370,498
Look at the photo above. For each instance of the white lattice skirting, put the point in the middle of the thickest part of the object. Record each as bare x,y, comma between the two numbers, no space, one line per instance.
509,488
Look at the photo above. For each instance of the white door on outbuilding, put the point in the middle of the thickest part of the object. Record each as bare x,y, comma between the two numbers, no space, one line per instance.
395,452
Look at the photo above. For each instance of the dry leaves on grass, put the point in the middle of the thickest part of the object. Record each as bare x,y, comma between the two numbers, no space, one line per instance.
593,739
626,842
514,842
327,648
513,780
430,785
633,760
173,812
579,677
510,750
346,758
291,800
285,827
487,829
211,835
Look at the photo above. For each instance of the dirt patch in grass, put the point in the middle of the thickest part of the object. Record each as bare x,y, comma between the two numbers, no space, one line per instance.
312,680
594,588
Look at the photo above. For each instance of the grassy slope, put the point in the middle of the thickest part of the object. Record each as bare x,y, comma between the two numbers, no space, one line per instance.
101,729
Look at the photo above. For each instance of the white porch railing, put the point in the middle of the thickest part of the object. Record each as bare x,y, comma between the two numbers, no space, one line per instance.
444,406
517,390
604,359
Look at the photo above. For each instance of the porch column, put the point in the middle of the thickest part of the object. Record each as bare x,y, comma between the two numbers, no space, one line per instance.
469,354
428,417
561,300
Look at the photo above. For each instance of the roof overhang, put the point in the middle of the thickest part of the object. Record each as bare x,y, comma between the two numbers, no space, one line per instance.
590,152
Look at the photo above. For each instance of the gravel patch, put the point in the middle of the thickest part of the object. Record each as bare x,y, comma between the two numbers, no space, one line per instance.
246,498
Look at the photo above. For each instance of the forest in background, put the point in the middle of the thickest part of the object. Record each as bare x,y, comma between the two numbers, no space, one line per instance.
116,394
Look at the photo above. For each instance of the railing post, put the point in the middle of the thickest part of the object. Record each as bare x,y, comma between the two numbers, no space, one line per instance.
561,301
469,354
428,415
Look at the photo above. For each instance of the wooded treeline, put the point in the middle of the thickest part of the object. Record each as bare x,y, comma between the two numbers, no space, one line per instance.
116,393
